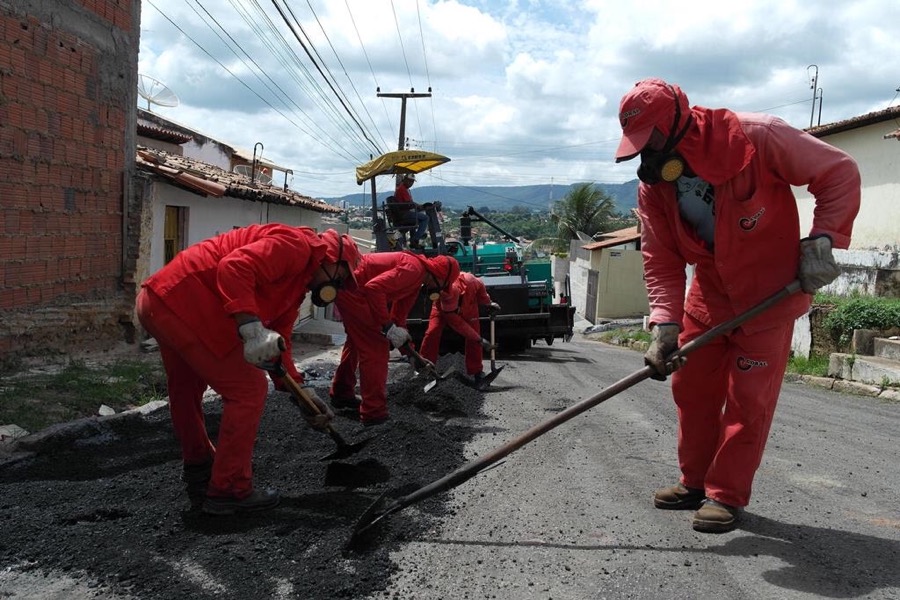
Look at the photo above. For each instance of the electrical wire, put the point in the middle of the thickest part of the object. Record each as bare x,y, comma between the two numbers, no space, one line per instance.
239,80
327,81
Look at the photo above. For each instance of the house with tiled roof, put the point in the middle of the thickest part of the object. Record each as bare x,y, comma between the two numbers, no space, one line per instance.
181,199
607,276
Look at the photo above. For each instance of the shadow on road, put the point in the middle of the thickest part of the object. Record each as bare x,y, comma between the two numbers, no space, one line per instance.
823,562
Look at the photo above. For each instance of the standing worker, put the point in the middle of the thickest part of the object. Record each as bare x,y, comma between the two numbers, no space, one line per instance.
458,308
715,192
402,194
375,321
222,310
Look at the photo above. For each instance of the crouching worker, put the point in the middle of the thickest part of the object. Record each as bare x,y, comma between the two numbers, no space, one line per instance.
458,308
375,321
222,311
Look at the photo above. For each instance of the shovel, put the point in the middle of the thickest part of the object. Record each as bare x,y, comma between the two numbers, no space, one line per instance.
429,368
485,382
378,510
298,395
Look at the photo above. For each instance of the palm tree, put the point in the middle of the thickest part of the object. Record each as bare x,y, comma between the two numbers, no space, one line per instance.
585,210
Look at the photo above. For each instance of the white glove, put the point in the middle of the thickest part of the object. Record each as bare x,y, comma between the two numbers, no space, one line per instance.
397,336
261,345
487,346
663,342
817,266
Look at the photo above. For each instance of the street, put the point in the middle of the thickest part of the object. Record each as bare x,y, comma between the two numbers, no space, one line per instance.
570,515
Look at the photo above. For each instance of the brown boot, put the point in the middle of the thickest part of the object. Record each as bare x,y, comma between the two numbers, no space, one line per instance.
715,517
678,497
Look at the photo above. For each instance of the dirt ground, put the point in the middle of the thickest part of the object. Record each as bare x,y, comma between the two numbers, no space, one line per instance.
105,516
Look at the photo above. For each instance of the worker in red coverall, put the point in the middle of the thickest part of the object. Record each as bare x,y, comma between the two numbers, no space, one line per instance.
402,194
458,308
715,193
222,310
388,284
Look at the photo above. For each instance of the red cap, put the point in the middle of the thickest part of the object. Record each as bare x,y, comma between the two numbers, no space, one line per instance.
341,248
649,105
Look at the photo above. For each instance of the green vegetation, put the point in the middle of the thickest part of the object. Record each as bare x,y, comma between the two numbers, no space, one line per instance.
34,400
814,365
859,312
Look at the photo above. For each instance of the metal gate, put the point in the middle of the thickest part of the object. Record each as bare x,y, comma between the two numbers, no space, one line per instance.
590,306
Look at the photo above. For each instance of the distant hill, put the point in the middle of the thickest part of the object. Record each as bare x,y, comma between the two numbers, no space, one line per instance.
499,198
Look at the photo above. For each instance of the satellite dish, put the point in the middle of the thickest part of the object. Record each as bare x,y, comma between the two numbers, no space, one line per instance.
247,171
155,92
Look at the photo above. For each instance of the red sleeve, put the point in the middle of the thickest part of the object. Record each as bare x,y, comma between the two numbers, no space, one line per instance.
663,264
461,326
481,293
831,175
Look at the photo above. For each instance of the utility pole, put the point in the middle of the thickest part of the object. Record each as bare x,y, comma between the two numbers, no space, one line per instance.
403,96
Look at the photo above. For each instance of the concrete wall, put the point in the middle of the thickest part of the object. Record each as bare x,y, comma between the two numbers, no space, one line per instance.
208,217
68,96
621,291
877,227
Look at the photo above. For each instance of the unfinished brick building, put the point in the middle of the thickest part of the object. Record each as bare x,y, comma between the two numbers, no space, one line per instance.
68,101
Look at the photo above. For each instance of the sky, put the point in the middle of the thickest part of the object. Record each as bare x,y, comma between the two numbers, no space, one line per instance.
521,92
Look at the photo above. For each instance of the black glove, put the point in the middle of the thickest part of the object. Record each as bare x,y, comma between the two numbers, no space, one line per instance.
493,308
315,420
817,266
664,342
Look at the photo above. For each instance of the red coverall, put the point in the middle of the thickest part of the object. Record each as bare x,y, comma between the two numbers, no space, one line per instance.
751,160
458,308
388,284
187,306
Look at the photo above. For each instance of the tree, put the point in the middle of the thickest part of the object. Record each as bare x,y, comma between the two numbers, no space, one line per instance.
585,209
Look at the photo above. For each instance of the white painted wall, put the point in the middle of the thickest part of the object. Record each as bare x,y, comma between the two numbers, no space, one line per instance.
877,227
208,217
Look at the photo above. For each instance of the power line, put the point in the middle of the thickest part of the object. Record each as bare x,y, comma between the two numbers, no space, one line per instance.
319,69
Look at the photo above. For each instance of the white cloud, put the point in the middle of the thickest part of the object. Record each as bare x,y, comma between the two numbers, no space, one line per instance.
522,91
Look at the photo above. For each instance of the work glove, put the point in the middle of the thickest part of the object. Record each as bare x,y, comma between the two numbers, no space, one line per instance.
493,308
262,347
663,342
487,346
316,421
421,363
397,336
817,266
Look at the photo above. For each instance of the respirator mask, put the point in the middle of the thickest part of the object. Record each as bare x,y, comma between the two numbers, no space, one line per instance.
666,164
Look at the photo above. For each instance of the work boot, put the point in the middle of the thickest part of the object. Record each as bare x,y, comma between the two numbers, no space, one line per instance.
346,401
678,497
196,478
715,517
478,377
256,501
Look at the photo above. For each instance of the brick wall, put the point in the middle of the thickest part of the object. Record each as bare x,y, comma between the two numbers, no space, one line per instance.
68,81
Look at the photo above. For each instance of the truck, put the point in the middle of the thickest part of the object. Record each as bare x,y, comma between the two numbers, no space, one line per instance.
517,278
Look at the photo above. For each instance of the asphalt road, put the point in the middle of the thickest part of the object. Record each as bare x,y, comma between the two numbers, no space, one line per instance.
570,516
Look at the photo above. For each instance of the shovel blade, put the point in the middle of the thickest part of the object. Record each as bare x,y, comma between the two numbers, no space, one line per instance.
346,450
485,382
